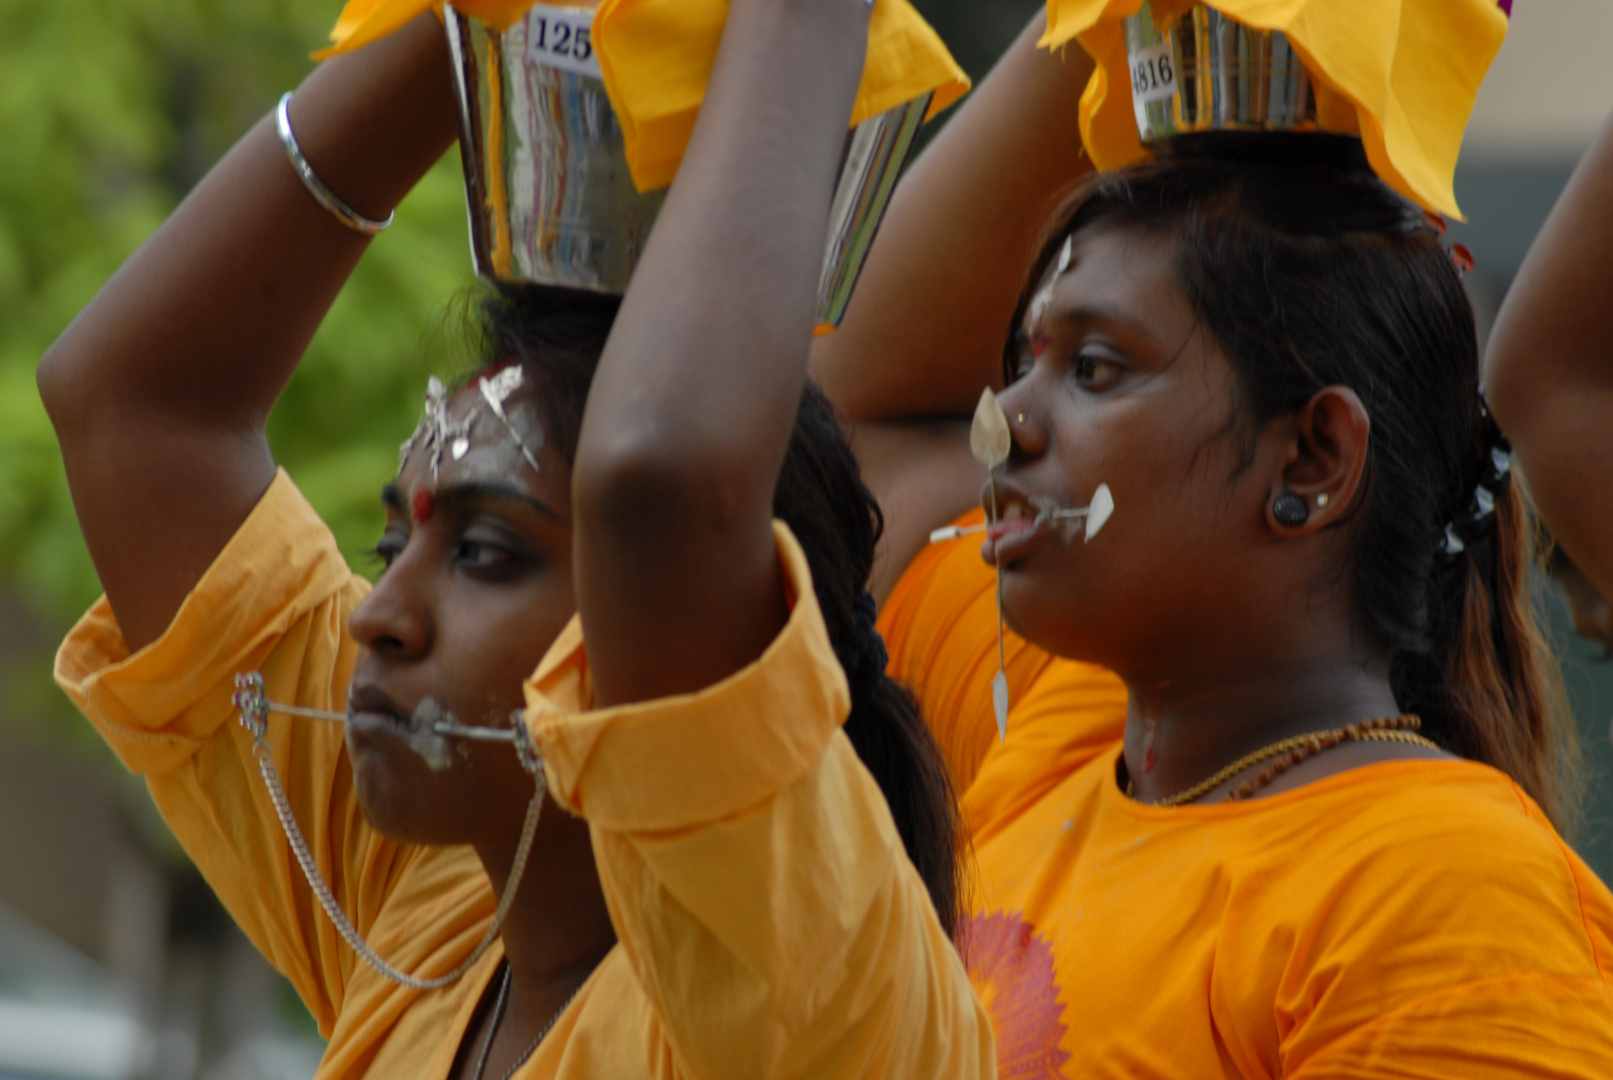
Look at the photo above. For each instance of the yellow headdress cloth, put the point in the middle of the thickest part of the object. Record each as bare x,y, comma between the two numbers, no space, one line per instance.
1402,74
656,57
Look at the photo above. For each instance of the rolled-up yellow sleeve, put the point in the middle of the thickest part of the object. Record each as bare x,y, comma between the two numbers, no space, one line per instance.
275,601
756,879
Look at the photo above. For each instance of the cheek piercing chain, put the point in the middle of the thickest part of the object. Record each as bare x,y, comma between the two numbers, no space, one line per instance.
254,709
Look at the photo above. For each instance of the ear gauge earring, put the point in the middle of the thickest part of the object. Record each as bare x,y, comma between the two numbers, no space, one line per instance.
1290,510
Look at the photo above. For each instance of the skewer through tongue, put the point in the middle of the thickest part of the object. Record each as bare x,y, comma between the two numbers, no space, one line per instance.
1096,515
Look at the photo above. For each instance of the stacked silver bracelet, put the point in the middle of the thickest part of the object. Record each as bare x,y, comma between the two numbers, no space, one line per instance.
322,194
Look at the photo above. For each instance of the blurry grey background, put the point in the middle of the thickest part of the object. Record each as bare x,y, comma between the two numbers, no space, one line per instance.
115,961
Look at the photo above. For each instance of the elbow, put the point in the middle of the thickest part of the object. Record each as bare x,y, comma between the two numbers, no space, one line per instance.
59,390
1510,392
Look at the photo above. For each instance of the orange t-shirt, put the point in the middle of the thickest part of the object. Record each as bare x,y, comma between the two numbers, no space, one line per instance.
1413,918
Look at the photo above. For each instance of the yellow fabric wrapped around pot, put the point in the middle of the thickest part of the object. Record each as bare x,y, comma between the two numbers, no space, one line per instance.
656,58
1403,74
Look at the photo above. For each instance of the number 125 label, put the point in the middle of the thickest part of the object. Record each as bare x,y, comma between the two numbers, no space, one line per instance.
562,38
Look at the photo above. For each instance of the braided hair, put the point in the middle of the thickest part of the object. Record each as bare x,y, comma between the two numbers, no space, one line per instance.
557,335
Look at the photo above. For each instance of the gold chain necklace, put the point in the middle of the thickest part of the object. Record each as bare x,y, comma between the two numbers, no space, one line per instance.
1293,750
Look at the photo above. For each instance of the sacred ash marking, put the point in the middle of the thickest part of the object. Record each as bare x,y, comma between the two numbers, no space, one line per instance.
438,430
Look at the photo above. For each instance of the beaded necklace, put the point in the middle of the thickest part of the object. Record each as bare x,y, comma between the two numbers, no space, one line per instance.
1291,751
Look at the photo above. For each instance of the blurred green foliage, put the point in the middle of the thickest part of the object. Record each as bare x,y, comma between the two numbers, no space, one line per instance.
110,110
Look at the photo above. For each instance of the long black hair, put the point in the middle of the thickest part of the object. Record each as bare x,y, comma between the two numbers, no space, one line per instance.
1309,272
557,336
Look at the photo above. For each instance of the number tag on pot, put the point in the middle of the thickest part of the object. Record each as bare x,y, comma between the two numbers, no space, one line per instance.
1153,78
562,37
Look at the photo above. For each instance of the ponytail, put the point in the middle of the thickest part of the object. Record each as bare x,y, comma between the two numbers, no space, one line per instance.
1488,686
823,500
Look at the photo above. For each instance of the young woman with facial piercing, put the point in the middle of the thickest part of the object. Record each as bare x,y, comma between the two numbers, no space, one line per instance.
716,886
1317,832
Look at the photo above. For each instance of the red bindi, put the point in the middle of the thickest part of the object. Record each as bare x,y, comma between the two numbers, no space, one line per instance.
422,505
1038,342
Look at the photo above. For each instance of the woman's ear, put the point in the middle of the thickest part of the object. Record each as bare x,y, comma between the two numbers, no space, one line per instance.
1325,461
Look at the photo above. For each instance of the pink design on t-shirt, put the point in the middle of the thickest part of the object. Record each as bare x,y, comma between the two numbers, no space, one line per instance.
1012,970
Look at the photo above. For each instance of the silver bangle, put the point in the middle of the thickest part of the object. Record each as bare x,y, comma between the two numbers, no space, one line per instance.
343,213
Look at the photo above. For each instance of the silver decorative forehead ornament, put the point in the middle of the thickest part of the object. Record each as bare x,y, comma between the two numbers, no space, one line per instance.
438,430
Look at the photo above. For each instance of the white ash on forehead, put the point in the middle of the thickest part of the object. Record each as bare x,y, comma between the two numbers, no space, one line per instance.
438,430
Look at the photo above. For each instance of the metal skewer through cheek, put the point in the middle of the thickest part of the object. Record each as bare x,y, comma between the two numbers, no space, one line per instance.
254,710
955,532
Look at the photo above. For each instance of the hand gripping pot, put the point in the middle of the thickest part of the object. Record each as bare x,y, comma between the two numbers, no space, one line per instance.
1203,71
547,185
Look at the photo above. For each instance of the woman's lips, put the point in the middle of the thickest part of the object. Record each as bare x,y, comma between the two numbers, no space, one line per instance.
1008,537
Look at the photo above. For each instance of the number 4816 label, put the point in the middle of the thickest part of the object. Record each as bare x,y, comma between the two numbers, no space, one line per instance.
1153,77
562,37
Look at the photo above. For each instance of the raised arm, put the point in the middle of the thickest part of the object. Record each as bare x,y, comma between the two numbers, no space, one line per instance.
1548,372
693,403
159,390
925,329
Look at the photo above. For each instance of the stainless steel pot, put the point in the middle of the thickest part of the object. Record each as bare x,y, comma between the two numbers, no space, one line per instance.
1204,71
547,186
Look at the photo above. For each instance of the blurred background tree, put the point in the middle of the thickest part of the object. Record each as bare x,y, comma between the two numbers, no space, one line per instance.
111,111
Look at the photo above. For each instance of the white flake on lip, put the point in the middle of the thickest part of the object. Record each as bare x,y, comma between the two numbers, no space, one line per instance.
423,737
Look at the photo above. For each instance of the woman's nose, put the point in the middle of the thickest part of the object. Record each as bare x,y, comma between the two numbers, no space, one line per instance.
1028,433
394,620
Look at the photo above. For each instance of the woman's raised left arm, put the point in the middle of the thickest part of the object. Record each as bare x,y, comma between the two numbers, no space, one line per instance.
1548,372
693,402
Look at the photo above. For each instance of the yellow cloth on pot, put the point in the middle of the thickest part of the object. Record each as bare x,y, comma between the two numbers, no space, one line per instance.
1403,74
656,58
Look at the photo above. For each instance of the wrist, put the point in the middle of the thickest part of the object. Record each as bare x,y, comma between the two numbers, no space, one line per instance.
370,123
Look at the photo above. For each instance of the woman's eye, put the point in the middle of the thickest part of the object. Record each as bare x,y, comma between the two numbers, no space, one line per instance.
482,553
1093,370
390,546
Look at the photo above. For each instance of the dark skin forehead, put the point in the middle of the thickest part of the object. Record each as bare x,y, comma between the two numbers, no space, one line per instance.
1120,280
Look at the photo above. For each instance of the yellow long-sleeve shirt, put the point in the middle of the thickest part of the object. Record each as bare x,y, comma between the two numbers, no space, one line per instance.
769,922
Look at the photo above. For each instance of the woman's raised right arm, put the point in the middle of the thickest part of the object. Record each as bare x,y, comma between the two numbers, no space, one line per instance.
159,390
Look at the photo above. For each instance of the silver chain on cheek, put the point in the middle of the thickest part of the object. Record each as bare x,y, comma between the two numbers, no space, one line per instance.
254,715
